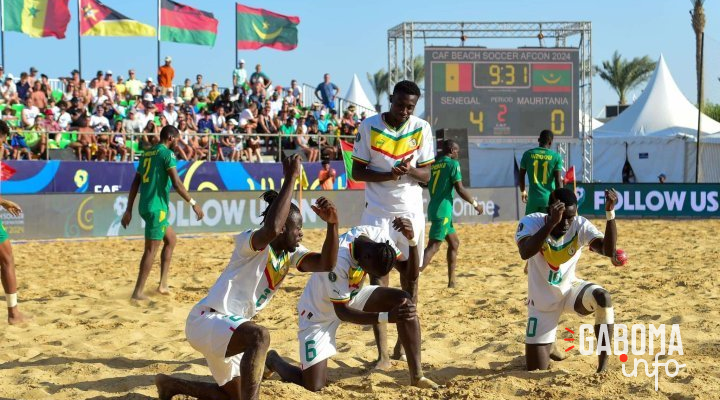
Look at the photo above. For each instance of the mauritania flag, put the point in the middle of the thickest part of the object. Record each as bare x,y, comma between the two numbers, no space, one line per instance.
97,19
258,28
452,77
552,78
37,18
184,24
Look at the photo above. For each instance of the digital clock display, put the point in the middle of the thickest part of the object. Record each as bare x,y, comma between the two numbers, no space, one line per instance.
503,93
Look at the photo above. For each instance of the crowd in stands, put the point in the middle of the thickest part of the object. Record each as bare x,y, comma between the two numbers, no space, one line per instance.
110,118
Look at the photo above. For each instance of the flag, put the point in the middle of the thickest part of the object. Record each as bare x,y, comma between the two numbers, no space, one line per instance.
97,19
183,24
452,77
37,18
347,149
569,175
304,183
552,78
258,28
6,171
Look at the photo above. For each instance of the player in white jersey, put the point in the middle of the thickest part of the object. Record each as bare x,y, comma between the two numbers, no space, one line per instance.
392,154
220,325
552,244
332,297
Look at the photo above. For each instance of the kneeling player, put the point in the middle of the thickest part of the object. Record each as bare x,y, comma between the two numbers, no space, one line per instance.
332,297
552,244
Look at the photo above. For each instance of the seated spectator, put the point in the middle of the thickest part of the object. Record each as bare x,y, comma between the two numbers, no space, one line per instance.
133,123
199,88
170,114
120,89
101,97
85,145
266,124
6,150
214,93
260,80
63,117
9,91
104,151
39,96
219,119
23,87
323,122
348,120
187,92
205,125
29,114
302,141
226,144
151,136
327,175
184,148
118,140
19,147
83,91
98,121
49,125
248,119
287,138
70,90
328,144
8,115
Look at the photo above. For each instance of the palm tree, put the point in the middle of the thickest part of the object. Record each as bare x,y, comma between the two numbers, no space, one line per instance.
697,17
419,70
623,75
379,84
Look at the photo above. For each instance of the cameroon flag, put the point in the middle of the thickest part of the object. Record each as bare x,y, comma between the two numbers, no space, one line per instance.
258,28
553,78
97,19
37,18
452,77
183,24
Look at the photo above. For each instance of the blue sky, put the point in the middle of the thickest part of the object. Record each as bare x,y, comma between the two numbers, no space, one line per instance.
351,37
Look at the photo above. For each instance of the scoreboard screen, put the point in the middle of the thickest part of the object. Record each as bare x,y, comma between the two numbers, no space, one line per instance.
503,93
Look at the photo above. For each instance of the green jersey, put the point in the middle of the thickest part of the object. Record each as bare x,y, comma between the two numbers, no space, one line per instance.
445,172
540,164
155,180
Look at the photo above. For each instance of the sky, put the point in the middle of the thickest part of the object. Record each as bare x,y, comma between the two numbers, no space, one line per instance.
346,38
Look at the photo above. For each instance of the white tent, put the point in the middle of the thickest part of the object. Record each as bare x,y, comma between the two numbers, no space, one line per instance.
656,135
357,96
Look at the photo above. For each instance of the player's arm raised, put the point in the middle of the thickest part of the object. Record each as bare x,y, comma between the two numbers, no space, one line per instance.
606,245
127,216
180,189
325,260
411,269
531,245
279,210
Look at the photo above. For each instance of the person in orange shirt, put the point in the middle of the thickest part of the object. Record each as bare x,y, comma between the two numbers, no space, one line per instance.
166,74
326,176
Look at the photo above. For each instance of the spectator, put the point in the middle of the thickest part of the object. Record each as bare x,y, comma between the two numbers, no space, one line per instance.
29,114
205,125
8,115
259,80
248,119
199,88
348,120
32,78
6,150
171,115
132,124
23,88
184,149
49,125
93,89
63,117
257,95
9,91
265,122
99,80
166,74
120,89
287,130
326,176
662,178
187,92
85,144
2,78
239,76
134,86
100,98
83,91
45,86
294,94
20,147
226,144
118,140
219,119
214,93
104,150
328,91
323,122
302,141
329,144
98,121
151,136
109,80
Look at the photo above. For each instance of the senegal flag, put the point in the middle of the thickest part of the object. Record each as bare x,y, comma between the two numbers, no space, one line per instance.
258,28
97,19
552,78
183,24
452,77
37,18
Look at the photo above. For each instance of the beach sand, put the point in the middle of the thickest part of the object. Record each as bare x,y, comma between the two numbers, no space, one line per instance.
88,341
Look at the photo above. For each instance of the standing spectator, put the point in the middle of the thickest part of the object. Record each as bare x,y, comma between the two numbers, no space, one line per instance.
33,76
259,78
166,74
120,89
99,80
328,91
239,76
29,114
199,88
9,90
109,80
23,88
187,93
134,86
326,176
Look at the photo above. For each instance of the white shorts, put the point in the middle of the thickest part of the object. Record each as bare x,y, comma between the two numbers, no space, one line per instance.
542,325
209,333
385,222
317,340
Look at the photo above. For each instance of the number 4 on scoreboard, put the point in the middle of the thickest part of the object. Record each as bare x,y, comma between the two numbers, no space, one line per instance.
479,121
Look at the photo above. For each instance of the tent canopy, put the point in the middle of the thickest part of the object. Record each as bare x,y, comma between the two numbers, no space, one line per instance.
356,95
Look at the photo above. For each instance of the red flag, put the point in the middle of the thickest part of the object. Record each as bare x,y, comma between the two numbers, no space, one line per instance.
347,149
6,171
569,175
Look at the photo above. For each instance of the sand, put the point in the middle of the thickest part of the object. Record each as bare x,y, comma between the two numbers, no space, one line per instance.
88,341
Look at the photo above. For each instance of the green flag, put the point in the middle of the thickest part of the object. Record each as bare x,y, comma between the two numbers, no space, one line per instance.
258,28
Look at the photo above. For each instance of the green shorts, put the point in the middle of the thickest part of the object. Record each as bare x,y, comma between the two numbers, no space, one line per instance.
156,223
3,233
440,228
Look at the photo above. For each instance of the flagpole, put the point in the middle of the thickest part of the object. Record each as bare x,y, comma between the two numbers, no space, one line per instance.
2,32
158,36
236,35
79,40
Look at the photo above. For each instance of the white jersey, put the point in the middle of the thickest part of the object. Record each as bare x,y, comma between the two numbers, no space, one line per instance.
551,272
342,284
381,148
251,278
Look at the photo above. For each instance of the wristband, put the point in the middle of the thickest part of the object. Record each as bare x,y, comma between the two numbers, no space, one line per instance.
412,242
192,202
610,215
524,192
474,203
11,299
382,317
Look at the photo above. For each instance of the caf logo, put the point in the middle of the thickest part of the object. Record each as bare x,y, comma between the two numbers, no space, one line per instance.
413,142
332,276
571,251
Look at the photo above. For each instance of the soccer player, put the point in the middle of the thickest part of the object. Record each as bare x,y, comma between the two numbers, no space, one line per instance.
552,244
7,261
392,154
445,177
156,172
332,297
545,167
220,325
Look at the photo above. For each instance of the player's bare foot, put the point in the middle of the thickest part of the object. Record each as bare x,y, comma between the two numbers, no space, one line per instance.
398,353
139,296
451,284
18,318
164,290
166,387
557,355
382,365
425,383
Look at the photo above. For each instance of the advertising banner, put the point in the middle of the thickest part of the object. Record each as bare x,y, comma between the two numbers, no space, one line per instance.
653,200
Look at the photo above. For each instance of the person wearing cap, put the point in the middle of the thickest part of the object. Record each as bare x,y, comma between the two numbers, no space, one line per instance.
109,80
662,178
239,75
166,74
49,125
169,112
134,86
33,76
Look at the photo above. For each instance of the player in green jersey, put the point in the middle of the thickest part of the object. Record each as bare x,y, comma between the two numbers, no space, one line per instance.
444,177
156,173
545,168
